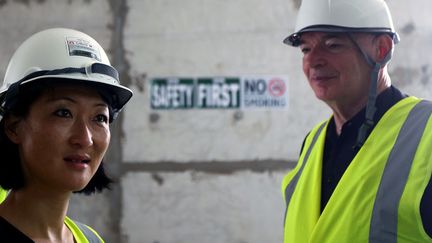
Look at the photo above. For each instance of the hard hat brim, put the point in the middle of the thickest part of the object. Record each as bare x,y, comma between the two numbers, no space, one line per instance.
119,95
294,39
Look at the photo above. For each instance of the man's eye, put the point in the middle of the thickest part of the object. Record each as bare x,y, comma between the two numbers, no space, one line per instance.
305,50
63,113
335,46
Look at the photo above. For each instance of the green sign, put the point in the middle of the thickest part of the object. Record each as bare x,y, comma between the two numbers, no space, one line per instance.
187,93
172,93
218,93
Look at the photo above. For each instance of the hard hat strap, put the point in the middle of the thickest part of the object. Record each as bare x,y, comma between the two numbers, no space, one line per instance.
370,106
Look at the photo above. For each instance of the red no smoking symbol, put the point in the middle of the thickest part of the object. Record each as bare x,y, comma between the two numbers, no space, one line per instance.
276,87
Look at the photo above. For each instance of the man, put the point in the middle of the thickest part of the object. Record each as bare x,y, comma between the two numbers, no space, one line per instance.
364,175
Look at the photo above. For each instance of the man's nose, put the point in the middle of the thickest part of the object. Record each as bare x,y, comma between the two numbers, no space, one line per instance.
315,57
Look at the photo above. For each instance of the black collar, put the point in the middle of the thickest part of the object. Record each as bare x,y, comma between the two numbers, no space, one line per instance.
384,102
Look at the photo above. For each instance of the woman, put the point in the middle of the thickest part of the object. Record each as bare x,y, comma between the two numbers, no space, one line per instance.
57,100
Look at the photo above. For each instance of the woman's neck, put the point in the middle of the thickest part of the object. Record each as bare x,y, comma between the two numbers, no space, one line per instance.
38,214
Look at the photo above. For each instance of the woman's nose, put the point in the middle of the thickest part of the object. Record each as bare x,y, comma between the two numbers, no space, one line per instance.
81,134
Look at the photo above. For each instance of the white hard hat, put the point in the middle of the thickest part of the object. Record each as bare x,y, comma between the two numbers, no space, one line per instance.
342,16
63,55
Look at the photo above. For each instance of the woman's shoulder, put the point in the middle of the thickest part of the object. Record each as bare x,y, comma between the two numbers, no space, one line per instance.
10,233
82,232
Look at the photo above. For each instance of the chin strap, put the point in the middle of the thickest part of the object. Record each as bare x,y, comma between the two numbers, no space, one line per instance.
370,106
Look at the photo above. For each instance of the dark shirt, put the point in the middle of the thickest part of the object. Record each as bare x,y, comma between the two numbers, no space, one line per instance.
9,234
340,150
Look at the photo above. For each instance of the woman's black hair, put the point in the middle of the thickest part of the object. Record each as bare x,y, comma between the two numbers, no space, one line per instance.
11,171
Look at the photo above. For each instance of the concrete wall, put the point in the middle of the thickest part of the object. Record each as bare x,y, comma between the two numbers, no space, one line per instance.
192,176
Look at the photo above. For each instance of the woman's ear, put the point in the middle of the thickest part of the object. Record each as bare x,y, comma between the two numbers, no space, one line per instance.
11,124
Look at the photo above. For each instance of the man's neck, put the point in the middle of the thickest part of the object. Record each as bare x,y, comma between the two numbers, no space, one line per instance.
344,111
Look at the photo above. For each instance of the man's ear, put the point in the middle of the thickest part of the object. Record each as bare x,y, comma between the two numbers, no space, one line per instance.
384,44
11,125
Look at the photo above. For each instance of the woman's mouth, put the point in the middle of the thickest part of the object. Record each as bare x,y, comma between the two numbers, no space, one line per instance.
77,159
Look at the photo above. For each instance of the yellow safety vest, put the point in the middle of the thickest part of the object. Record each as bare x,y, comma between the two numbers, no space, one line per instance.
377,200
82,233
3,194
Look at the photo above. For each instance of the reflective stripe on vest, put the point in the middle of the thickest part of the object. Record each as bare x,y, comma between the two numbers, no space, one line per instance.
292,185
90,235
383,227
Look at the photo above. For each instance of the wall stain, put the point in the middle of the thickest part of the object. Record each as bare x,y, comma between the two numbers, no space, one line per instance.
425,74
212,167
118,51
140,82
408,28
154,117
297,4
238,116
25,2
402,76
158,178
119,10
28,2
71,1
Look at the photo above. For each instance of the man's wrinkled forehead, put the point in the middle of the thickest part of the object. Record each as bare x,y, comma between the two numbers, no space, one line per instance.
321,36
343,36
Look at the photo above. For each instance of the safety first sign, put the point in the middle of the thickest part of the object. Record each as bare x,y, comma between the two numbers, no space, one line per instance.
246,92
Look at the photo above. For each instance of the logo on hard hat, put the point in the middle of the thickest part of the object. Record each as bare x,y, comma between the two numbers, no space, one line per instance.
81,47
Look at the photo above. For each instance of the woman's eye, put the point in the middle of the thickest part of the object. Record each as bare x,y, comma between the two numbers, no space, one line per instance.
63,113
102,118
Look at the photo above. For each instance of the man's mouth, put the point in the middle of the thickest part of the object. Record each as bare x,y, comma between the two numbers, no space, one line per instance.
322,78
